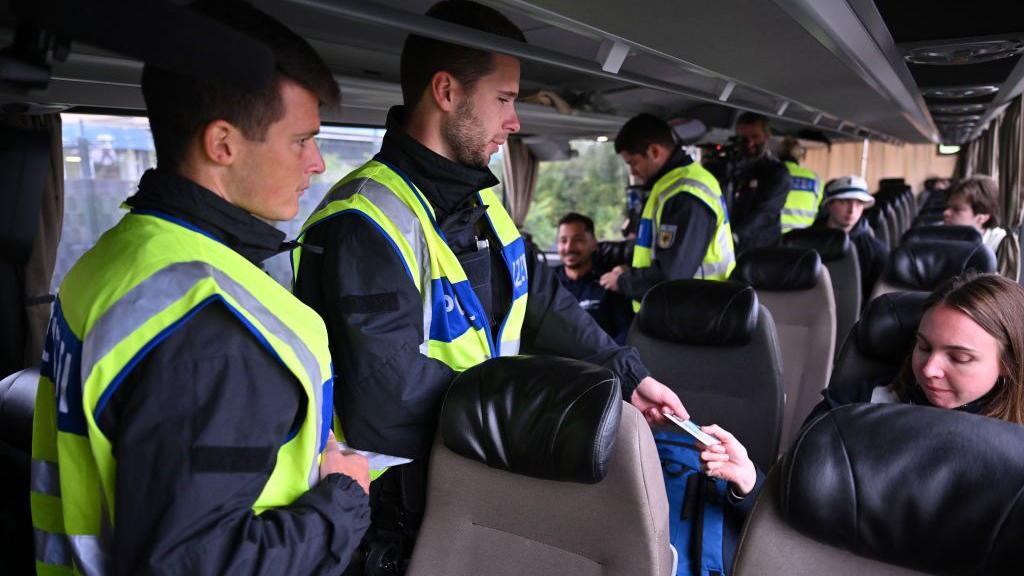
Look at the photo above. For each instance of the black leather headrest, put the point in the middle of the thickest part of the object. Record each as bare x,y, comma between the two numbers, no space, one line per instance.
887,327
782,268
829,243
925,265
934,490
539,416
611,253
17,403
699,312
930,233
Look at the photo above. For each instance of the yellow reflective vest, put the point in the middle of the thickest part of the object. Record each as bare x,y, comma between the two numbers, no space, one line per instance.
456,330
803,200
720,258
142,280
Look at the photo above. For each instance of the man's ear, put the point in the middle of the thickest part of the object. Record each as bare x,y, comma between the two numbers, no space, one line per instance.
219,142
443,88
983,219
656,152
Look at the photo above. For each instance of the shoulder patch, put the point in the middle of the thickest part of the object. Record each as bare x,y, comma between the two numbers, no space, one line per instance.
666,235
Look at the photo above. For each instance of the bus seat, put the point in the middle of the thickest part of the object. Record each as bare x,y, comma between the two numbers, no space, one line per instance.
941,232
880,341
839,255
858,494
879,227
793,285
716,347
540,468
17,403
611,253
923,266
892,223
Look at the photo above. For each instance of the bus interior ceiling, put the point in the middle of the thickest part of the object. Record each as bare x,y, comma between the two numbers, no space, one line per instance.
837,68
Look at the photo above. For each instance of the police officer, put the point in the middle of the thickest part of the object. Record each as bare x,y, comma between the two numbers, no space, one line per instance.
805,190
760,186
684,229
183,413
423,273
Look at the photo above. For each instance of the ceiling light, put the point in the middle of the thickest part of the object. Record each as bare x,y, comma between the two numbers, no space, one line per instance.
957,108
970,119
960,92
965,52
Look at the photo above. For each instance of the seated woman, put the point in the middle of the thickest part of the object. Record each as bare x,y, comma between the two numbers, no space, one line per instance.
974,201
969,356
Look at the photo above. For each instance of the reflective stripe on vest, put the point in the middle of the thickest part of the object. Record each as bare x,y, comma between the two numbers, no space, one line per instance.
803,200
143,279
694,179
455,326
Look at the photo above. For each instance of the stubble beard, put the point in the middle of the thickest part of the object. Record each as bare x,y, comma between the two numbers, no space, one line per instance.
465,137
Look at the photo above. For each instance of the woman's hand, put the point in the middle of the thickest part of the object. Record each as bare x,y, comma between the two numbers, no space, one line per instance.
728,461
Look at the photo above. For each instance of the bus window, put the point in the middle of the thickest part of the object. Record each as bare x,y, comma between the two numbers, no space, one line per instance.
104,157
593,183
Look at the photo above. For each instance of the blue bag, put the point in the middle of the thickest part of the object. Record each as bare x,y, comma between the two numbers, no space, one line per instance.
695,507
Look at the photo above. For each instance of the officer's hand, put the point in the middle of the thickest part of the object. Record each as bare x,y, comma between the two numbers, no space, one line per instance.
652,398
728,461
610,280
350,464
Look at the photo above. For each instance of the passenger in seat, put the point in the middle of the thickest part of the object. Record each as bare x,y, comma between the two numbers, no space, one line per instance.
684,227
579,274
974,202
969,356
845,200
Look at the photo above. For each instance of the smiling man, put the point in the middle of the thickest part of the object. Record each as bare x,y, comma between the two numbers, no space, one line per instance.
423,273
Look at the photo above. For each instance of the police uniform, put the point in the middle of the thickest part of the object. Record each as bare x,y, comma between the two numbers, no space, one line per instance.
803,200
422,275
684,230
151,452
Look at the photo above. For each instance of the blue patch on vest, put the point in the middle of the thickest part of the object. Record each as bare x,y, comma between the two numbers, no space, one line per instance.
515,260
644,236
62,364
326,409
454,310
805,184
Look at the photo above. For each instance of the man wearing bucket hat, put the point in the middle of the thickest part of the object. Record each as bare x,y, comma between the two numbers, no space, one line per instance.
845,200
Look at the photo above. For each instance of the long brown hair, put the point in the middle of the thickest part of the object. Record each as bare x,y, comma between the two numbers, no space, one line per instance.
997,305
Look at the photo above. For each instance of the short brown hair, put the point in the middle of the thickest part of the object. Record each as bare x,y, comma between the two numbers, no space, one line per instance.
179,106
982,193
750,118
997,305
641,131
423,57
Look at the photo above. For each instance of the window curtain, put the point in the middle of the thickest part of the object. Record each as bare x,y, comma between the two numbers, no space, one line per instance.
38,269
997,153
520,171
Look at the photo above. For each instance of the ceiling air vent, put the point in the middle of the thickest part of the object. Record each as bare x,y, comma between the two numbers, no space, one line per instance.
957,108
960,92
965,53
953,120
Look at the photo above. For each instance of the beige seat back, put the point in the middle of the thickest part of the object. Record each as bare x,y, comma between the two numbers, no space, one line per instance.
481,520
795,287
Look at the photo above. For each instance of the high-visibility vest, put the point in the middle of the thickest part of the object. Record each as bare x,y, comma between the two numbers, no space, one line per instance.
456,329
720,258
144,278
803,199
